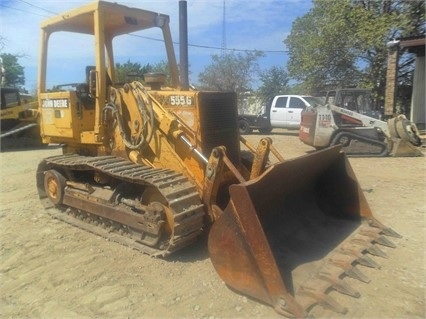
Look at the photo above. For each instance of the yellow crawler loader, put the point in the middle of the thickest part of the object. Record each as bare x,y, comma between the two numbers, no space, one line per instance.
154,166
18,120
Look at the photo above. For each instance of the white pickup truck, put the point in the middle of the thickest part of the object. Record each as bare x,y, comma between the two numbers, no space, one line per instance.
283,112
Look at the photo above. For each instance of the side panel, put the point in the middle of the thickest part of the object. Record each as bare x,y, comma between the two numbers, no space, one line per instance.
295,107
308,127
56,114
279,111
325,127
316,127
64,118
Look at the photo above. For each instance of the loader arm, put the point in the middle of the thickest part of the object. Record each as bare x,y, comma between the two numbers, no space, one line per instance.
361,119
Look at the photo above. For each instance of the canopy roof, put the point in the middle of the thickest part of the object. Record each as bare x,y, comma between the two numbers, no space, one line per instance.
118,20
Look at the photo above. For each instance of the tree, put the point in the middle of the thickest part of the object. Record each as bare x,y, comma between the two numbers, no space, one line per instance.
274,82
412,24
163,67
2,43
341,43
130,71
133,71
231,72
13,71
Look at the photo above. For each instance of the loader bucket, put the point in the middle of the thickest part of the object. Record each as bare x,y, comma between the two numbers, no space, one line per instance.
404,148
405,137
288,237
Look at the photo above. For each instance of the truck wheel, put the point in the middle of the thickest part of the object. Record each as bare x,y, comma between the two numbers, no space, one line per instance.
265,130
54,184
244,127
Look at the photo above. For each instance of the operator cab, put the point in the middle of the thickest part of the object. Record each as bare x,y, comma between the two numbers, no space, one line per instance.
72,113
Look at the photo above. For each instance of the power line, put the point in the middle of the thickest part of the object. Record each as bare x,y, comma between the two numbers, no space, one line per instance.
40,8
16,9
223,48
210,47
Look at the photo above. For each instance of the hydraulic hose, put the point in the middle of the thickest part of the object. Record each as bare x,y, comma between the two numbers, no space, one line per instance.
146,112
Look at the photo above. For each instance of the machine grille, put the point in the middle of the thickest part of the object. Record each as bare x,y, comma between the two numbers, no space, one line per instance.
218,120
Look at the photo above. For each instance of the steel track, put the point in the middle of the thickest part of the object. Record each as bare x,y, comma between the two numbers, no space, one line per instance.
359,145
181,195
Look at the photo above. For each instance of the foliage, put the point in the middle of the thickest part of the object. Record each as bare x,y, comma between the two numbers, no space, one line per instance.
163,67
300,89
133,71
13,71
274,81
231,72
2,43
341,43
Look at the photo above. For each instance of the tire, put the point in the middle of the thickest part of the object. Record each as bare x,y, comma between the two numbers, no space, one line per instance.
244,127
54,186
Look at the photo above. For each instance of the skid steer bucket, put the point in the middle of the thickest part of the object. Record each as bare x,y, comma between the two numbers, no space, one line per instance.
289,237
405,137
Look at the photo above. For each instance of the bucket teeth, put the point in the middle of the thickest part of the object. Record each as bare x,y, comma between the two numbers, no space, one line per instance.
358,252
368,262
345,263
376,251
383,229
369,247
368,231
390,232
338,284
355,273
322,299
375,235
382,240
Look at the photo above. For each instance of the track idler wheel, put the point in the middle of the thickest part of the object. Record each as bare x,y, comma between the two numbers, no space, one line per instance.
54,186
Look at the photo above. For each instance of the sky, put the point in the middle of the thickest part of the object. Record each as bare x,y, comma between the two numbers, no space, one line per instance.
248,25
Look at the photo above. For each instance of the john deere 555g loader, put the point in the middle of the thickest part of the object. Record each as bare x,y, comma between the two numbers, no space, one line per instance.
153,165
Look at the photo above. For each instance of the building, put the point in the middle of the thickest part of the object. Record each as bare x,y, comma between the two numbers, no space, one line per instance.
414,45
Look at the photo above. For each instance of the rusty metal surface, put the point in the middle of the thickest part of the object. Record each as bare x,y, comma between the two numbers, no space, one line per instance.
288,237
261,157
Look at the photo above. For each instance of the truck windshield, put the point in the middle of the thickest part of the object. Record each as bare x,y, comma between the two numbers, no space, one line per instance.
313,101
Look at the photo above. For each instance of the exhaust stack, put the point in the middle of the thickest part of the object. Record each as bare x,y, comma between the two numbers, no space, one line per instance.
183,44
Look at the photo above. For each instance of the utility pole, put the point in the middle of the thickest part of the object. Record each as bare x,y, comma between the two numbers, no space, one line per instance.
2,70
224,28
183,47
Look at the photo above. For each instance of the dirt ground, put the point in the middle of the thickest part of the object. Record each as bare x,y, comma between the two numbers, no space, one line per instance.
50,269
